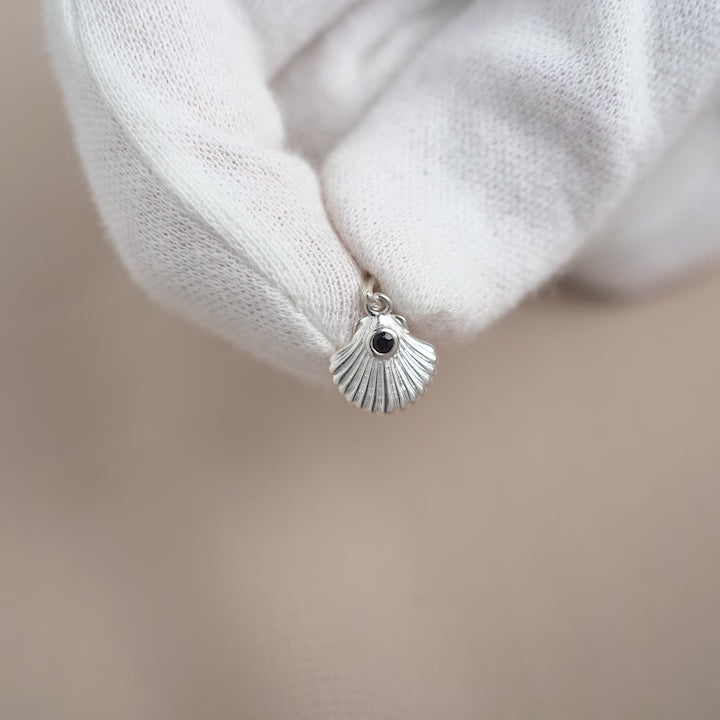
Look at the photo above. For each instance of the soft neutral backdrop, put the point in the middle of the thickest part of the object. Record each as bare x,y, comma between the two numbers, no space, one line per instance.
187,533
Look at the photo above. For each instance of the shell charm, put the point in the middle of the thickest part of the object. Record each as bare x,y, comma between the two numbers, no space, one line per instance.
383,367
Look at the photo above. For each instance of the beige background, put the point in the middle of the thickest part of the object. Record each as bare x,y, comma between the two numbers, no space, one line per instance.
185,533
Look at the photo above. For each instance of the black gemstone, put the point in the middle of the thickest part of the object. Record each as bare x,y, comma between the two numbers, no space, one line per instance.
382,342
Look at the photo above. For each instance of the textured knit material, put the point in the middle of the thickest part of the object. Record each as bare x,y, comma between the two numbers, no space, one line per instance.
251,159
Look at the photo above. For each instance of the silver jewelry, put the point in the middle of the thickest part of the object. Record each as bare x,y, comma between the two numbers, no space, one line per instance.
383,367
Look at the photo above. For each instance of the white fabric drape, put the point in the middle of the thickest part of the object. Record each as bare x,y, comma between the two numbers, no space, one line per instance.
251,159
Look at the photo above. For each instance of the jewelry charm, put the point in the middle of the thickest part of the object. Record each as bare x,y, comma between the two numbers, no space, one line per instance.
383,367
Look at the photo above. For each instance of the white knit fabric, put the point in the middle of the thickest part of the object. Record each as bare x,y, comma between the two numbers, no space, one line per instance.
251,158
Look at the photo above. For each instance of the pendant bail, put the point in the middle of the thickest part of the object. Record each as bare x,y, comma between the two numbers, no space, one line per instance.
376,303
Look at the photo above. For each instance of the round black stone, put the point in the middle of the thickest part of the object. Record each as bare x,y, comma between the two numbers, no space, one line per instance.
382,342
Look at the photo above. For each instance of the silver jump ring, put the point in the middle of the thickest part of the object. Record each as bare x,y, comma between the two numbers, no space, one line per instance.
377,303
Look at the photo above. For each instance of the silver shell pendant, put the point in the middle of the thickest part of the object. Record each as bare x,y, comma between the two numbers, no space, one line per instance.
383,367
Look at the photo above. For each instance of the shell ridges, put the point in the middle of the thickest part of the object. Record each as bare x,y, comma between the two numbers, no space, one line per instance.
383,383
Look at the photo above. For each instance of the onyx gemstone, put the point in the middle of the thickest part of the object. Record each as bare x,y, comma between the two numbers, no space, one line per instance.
383,342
